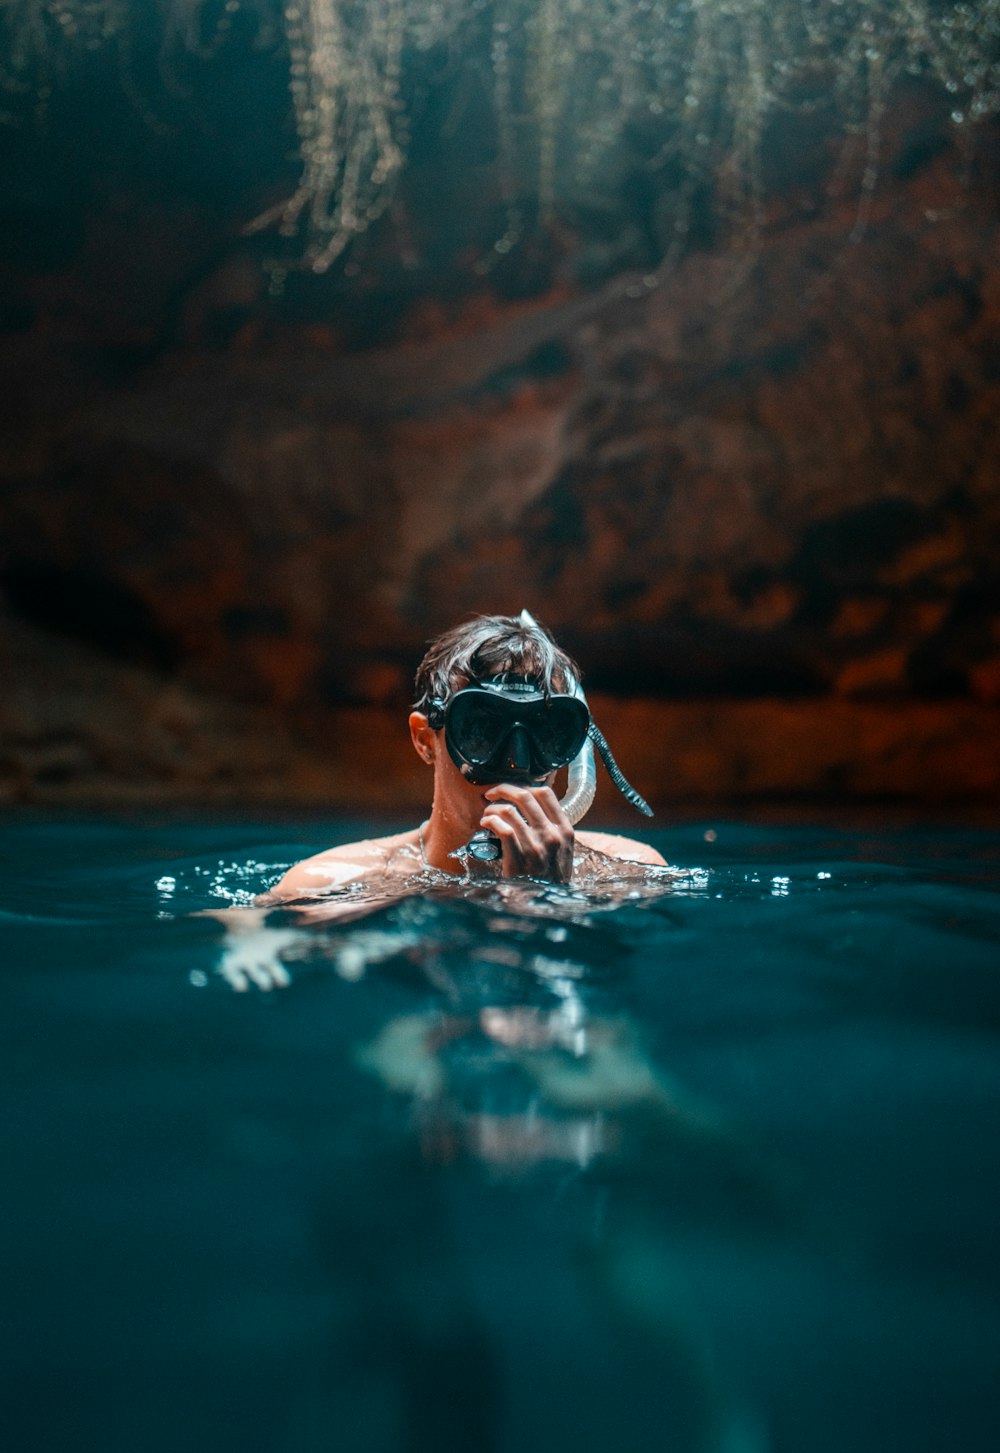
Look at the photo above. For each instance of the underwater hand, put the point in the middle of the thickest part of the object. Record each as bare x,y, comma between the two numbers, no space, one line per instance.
252,958
536,835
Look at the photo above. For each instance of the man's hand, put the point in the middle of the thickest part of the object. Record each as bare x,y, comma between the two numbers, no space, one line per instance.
254,958
251,951
536,835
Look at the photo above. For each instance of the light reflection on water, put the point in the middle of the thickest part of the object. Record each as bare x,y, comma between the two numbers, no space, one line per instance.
700,1162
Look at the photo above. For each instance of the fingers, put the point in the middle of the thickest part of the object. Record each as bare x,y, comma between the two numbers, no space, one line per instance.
279,976
252,959
263,976
537,805
234,977
536,834
505,821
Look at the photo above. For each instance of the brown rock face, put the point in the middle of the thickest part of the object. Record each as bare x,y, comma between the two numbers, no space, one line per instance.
758,492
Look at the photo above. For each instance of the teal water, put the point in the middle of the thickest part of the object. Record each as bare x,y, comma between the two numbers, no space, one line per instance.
708,1165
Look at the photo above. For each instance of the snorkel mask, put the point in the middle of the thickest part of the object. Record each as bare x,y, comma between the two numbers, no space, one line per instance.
508,729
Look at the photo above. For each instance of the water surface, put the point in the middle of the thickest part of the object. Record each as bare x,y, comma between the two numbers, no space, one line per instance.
699,1164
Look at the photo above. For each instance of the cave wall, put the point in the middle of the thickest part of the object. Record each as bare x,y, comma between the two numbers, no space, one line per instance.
754,491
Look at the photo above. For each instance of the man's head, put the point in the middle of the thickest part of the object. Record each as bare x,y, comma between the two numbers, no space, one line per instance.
487,647
495,702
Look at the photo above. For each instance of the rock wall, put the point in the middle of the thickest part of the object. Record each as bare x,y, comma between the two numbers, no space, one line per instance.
756,491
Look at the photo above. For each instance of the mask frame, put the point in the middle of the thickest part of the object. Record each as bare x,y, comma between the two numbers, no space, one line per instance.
509,730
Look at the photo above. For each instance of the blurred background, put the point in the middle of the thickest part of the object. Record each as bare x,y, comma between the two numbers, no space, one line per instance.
327,325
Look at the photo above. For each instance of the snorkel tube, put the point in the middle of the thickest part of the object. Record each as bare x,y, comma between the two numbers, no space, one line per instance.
581,786
581,783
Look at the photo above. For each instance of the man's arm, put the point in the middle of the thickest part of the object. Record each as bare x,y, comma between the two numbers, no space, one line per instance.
334,867
252,950
627,849
323,872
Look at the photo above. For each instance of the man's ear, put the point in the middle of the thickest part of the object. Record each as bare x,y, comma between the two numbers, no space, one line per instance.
423,737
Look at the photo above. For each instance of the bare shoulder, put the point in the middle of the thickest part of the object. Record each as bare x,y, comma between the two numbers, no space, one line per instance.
335,866
627,848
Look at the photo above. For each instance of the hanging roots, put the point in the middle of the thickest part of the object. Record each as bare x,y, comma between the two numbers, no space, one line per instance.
567,78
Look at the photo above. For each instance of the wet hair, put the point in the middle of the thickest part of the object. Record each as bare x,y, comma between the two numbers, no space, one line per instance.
489,646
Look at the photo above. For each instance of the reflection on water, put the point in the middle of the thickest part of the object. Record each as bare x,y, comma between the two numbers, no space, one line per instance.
527,1056
700,1162
523,1056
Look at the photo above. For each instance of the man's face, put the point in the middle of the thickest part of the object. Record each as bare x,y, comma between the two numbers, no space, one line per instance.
449,778
454,794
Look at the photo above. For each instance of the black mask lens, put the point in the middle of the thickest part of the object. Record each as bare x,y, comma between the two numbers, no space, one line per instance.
478,724
559,729
487,729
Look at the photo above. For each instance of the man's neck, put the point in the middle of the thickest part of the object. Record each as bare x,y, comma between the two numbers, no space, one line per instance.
444,834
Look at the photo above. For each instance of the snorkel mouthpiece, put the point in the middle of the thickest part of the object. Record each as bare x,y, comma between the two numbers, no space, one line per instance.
484,846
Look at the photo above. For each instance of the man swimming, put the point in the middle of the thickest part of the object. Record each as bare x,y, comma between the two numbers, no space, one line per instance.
498,712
